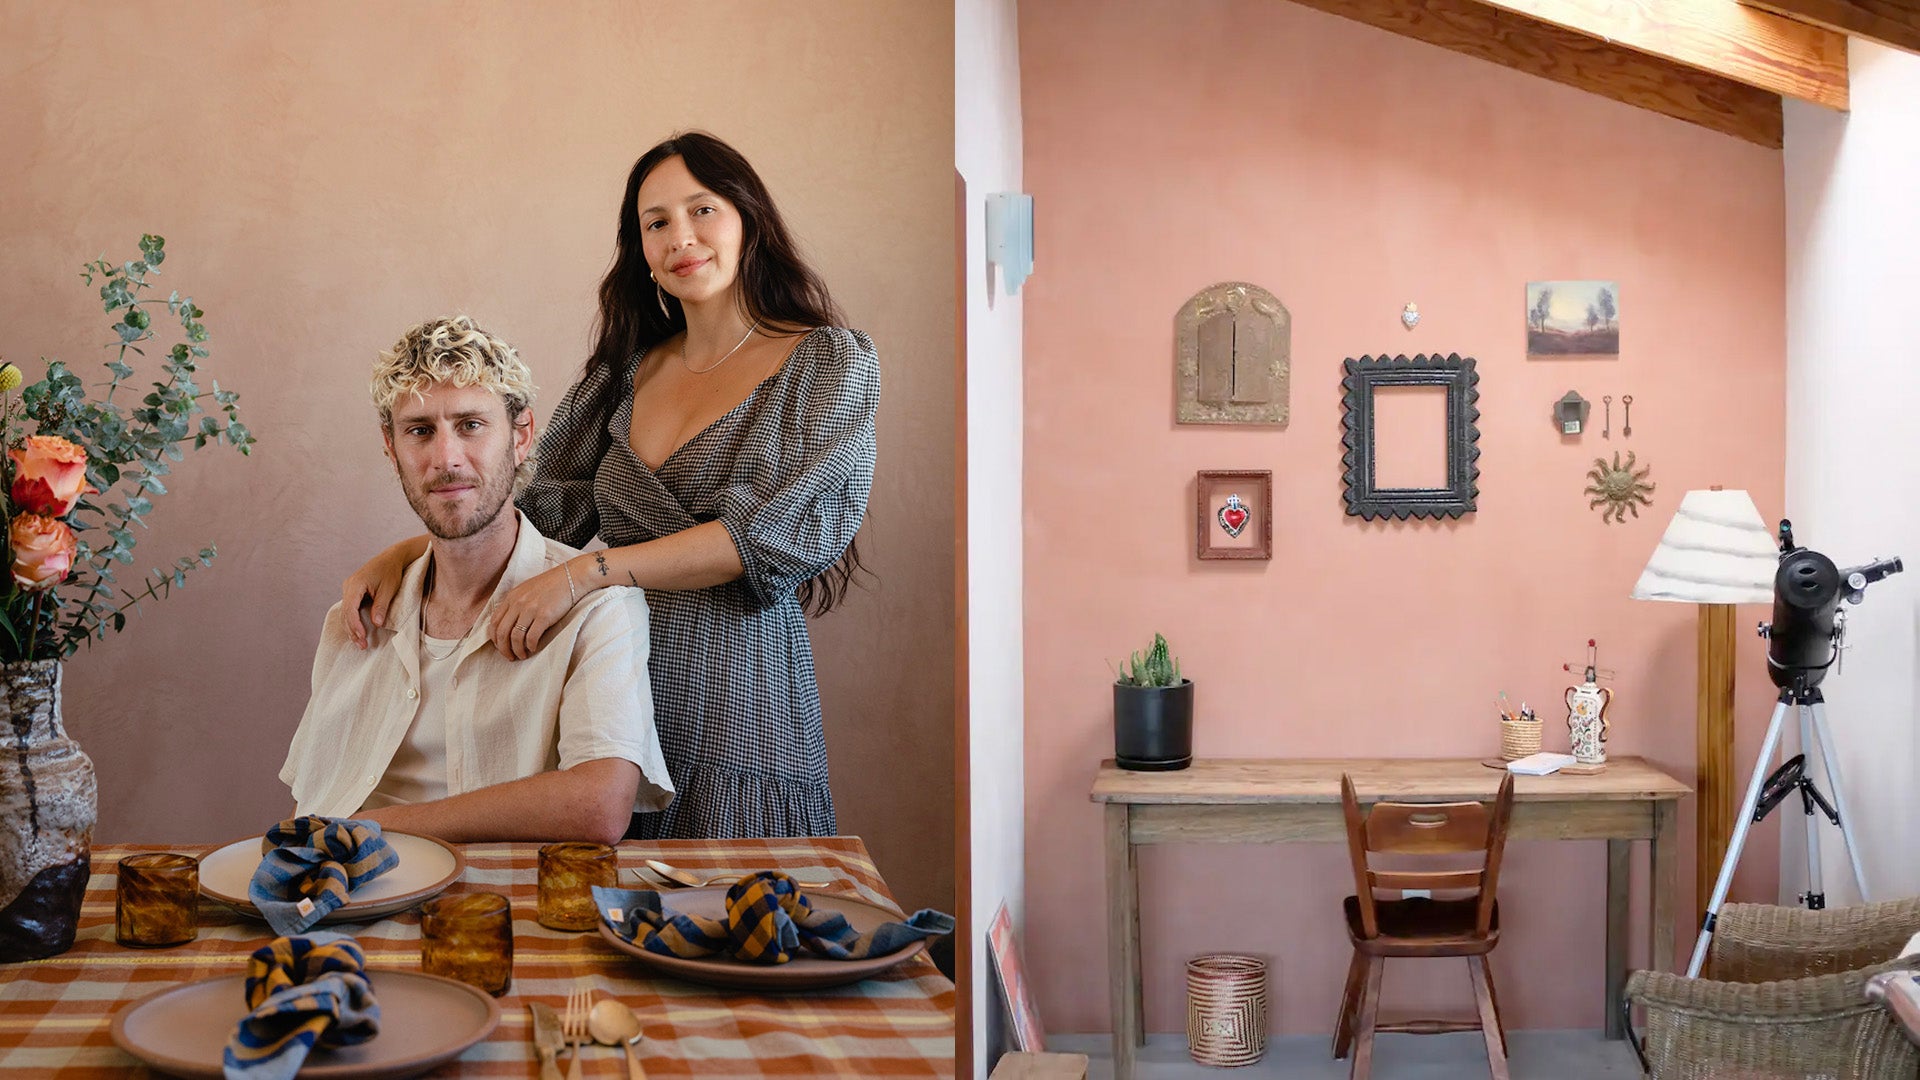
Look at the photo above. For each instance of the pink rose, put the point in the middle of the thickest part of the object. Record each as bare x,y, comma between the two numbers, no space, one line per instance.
42,551
49,475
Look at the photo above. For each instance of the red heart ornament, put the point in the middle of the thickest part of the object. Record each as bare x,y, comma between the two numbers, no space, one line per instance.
1233,516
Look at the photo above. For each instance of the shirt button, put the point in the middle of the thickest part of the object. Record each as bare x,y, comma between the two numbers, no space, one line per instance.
412,693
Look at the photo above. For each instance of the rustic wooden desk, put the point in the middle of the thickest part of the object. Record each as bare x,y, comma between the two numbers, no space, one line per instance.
1295,801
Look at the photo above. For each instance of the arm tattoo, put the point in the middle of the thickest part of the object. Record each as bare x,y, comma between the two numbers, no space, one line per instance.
635,580
602,561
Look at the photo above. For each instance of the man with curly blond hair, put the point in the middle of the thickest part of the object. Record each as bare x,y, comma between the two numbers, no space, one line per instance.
432,729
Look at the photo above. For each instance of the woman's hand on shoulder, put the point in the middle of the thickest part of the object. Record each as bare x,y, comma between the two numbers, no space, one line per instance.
367,596
531,609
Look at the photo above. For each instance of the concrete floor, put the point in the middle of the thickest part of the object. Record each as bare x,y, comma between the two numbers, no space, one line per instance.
1532,1055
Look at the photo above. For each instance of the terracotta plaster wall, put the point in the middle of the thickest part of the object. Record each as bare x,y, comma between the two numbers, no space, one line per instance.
326,175
1169,147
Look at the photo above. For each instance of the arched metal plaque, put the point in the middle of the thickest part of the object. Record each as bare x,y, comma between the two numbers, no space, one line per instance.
1233,347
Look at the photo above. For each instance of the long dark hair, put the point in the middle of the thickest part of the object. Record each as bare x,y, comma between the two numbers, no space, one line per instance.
775,287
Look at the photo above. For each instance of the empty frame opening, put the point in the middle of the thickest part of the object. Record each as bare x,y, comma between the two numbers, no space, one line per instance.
1410,437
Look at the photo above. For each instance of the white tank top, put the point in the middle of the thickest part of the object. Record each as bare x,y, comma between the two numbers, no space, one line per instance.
418,771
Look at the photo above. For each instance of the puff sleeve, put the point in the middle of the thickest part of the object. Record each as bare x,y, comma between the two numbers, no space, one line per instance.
798,492
559,498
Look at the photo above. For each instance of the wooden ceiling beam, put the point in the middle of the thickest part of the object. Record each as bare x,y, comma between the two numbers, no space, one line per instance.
1895,23
1575,59
1720,37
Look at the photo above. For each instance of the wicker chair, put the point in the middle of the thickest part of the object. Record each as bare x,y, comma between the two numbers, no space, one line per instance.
1786,997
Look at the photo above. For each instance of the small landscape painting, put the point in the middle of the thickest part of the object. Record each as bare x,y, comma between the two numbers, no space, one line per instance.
1573,320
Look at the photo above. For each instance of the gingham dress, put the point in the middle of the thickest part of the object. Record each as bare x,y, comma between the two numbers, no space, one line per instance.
788,472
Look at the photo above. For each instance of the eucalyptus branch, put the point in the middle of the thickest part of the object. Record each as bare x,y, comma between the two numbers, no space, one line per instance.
127,449
164,581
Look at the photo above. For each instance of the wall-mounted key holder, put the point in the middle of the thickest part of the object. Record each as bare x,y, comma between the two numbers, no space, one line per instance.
1570,413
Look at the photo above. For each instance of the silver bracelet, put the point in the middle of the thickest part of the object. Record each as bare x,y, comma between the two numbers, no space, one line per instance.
567,569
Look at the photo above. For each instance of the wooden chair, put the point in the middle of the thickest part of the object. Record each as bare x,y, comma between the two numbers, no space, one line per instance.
1019,1065
1422,926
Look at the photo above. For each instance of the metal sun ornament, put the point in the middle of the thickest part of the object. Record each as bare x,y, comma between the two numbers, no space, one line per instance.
1233,516
1618,488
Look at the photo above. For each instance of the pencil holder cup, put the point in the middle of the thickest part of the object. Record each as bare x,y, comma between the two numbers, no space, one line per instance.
1519,738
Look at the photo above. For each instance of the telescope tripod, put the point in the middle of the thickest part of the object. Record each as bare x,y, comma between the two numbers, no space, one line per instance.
1767,791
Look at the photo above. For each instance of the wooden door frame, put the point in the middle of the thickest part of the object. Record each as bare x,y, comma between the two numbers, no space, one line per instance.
962,747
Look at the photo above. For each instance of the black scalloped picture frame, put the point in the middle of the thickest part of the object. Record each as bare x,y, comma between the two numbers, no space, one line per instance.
1461,380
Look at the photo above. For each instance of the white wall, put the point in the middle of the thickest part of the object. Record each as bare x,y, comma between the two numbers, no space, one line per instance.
986,134
1853,446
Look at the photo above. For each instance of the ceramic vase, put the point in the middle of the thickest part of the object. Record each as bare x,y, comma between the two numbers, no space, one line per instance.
1587,722
47,811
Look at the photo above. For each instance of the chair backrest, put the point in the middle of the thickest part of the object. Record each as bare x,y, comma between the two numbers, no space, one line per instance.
1427,829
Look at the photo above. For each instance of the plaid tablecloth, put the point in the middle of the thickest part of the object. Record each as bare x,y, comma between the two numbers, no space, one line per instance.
55,1013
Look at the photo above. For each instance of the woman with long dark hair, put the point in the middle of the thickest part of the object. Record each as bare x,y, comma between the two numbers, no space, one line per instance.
721,443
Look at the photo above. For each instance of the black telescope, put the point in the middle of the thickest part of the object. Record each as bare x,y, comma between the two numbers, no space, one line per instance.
1807,590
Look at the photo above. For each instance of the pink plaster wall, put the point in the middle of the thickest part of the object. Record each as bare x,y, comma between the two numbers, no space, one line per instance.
1349,171
326,175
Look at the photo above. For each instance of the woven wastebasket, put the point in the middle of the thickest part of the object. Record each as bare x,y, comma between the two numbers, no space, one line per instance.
1226,1009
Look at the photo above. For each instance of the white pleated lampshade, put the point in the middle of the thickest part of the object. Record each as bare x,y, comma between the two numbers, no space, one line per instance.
1716,550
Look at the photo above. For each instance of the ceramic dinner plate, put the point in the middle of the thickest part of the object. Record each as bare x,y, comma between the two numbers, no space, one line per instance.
425,1020
804,972
427,866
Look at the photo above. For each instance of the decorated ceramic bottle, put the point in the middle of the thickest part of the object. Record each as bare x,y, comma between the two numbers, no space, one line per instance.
1587,717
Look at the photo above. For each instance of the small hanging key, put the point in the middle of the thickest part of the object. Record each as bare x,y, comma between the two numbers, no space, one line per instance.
1626,427
1607,432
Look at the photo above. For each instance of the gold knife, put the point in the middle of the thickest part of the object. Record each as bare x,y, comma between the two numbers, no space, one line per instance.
547,1038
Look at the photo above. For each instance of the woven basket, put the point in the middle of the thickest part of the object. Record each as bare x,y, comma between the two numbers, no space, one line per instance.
1226,1009
1519,738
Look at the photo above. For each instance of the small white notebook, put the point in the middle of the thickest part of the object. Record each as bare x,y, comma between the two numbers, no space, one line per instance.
1539,764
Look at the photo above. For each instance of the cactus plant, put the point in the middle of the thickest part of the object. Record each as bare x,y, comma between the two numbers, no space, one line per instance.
1152,711
1156,669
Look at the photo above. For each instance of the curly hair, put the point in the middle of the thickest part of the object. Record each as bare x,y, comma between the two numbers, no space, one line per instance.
451,349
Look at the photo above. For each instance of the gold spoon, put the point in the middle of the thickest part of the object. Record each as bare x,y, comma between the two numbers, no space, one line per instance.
682,877
613,1024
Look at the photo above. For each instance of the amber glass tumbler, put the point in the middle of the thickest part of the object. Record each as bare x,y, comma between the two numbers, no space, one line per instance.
568,872
157,901
469,937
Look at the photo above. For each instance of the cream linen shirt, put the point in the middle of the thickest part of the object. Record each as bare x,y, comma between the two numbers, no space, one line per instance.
583,697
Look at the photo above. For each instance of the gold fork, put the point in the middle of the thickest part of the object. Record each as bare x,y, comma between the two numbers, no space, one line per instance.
579,1003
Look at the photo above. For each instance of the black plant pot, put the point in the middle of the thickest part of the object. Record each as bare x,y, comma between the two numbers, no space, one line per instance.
1153,726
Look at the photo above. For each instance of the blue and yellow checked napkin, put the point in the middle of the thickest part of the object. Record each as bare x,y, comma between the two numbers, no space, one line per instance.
303,993
309,865
768,921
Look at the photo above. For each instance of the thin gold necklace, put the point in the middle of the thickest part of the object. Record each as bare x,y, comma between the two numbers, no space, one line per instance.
426,595
428,649
702,371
